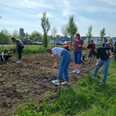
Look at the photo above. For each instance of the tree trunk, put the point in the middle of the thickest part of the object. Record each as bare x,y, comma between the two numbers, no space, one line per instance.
45,40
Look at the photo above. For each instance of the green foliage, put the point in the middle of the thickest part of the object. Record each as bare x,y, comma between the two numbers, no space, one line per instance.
85,98
29,110
71,27
34,49
46,27
89,34
29,49
36,36
7,48
4,37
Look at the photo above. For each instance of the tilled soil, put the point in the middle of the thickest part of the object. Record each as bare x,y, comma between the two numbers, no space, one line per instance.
29,80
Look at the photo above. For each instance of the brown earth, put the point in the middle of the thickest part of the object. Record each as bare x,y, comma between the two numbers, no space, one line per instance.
29,80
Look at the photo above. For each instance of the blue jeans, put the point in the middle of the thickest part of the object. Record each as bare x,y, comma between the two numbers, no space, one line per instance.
78,56
63,66
105,64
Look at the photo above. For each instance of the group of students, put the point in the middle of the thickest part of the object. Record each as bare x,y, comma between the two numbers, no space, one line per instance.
62,58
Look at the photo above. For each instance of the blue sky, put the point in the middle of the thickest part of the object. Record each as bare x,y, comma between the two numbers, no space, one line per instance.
27,14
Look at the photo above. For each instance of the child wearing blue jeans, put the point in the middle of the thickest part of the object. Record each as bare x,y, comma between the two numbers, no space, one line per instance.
104,55
62,56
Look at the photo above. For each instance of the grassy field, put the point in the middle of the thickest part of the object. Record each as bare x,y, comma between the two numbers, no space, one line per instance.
28,49
85,98
34,49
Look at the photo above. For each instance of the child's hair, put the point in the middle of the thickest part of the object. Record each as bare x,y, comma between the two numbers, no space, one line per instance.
49,51
78,35
13,39
66,47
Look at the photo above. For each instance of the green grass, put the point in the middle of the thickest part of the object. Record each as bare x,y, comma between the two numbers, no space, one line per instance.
28,49
84,98
34,49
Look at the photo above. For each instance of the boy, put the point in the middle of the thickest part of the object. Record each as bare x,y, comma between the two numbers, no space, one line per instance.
19,48
103,54
61,56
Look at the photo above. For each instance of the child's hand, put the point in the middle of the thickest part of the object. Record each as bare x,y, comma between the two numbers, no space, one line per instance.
110,56
54,66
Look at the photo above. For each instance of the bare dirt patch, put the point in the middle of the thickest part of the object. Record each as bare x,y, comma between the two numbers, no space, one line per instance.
29,80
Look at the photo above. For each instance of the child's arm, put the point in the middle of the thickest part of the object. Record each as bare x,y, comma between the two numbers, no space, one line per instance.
55,61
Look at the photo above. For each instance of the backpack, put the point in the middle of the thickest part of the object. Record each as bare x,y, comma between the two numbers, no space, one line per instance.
20,44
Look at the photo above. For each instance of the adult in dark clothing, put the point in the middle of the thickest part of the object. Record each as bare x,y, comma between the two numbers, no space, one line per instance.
19,48
103,54
92,52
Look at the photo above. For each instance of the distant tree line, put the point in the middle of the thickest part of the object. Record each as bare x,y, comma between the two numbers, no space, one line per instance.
69,30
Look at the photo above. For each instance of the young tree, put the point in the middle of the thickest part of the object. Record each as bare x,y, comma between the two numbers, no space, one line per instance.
102,34
89,34
4,37
46,27
71,27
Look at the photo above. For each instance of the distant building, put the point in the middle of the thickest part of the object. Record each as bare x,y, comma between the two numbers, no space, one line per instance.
21,32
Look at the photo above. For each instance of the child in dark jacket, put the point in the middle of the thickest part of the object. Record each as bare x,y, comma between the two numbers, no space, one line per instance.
19,48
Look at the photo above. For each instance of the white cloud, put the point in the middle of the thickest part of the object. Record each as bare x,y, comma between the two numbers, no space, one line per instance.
67,8
32,4
36,4
110,2
30,11
95,9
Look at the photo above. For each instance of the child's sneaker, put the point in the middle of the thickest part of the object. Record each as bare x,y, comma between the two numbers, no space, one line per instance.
78,72
64,83
18,61
56,82
74,71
